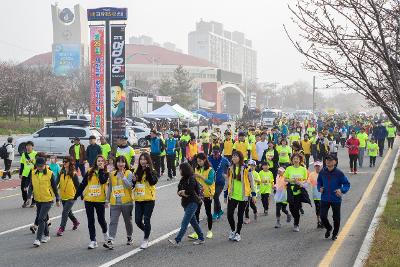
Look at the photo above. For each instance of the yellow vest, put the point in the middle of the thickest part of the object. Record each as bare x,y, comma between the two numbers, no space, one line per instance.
143,191
95,192
41,182
118,189
67,187
242,147
209,190
244,173
254,155
228,147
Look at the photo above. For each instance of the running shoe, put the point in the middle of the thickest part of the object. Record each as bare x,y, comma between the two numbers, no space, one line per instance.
106,237
255,216
60,231
328,233
237,238
76,225
320,226
301,211
246,220
296,228
278,225
215,217
173,242
265,212
334,237
129,241
45,239
109,244
33,229
145,244
288,218
36,243
93,245
231,236
199,242
209,234
194,236
24,205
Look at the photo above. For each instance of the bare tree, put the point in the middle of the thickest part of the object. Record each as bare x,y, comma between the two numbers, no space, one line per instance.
355,43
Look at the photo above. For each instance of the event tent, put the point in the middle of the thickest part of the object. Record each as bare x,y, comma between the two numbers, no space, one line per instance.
186,114
164,112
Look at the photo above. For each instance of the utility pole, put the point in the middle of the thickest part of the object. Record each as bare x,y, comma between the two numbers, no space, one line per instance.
313,96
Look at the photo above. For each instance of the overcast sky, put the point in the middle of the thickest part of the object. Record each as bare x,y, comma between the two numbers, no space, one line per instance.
26,28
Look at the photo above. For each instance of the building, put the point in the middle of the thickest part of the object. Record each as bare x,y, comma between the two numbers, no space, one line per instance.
230,51
147,40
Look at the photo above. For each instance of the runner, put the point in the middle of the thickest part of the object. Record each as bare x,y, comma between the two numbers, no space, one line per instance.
391,134
227,146
280,198
205,140
240,188
93,187
306,147
352,144
372,152
242,146
284,152
271,156
250,204
189,191
363,139
68,184
144,191
332,183
119,197
266,183
312,178
171,148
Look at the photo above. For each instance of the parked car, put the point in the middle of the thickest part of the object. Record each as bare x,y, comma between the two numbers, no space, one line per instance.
86,117
56,138
132,138
141,133
140,122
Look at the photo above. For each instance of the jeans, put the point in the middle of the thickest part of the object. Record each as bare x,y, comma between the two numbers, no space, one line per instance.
171,166
189,217
381,145
156,159
265,201
314,151
115,212
353,162
207,206
232,205
390,142
205,148
361,156
143,212
7,167
217,203
90,207
294,208
281,207
42,211
81,167
336,216
67,212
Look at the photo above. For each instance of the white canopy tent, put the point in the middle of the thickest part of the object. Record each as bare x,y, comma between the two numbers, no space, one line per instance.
164,112
186,114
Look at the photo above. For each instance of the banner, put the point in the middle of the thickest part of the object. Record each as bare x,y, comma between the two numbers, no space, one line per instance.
97,52
66,58
117,80
107,13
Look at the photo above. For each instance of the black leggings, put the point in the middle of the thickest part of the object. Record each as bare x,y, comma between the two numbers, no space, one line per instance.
143,212
207,206
253,207
317,204
353,162
265,200
294,208
241,205
372,160
90,207
281,207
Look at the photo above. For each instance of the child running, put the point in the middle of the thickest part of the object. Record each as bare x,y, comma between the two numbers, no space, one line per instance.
266,182
280,198
372,152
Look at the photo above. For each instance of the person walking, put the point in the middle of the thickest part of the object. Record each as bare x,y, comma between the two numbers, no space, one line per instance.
120,200
78,153
372,152
156,147
171,149
205,140
68,185
27,161
189,192
332,183
380,133
144,190
124,149
312,179
105,147
92,151
8,157
271,156
391,134
306,147
362,137
353,144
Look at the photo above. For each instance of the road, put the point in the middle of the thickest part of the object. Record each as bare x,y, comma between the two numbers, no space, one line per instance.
261,244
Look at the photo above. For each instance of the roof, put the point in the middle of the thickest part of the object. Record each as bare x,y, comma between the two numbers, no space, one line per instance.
139,54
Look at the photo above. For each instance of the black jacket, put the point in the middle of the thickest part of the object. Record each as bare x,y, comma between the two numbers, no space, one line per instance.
92,151
190,187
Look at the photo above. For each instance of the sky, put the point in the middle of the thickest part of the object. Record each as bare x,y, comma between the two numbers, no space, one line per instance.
26,28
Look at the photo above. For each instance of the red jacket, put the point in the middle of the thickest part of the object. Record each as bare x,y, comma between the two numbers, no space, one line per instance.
353,144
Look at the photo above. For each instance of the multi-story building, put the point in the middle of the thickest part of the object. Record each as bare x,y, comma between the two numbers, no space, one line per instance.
230,51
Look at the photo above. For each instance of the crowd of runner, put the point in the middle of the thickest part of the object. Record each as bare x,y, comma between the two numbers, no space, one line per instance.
246,164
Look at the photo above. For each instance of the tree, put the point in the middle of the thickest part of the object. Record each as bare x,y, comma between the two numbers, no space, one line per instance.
355,43
166,87
183,93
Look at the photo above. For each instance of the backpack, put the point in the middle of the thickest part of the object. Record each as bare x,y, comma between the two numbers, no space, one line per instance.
3,151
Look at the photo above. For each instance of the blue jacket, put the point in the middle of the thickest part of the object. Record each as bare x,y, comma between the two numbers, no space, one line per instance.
155,146
220,167
331,181
92,151
171,145
380,132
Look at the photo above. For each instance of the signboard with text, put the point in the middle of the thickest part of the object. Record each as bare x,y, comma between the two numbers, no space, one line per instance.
66,58
107,13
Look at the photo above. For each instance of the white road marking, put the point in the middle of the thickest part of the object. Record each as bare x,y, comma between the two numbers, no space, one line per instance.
10,196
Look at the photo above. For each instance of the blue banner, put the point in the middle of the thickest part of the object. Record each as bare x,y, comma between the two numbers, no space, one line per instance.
107,13
66,58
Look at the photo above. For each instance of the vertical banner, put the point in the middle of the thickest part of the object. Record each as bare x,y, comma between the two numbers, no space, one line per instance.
117,80
97,106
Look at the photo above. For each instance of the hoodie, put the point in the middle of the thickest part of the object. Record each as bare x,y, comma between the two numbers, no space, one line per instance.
331,181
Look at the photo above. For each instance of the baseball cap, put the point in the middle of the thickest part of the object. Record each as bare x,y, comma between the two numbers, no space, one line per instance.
252,162
77,139
331,157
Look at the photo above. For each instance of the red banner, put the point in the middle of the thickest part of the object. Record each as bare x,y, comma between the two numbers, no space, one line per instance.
97,54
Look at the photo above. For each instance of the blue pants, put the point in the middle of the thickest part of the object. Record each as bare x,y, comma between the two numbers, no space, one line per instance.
189,217
42,210
81,167
143,212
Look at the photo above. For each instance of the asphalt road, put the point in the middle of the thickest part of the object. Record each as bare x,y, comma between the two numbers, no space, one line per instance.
261,244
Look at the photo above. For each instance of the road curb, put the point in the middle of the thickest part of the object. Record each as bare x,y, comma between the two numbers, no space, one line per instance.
369,237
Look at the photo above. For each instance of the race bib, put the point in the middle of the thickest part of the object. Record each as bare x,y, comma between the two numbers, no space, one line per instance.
94,190
140,190
283,154
118,191
265,181
297,176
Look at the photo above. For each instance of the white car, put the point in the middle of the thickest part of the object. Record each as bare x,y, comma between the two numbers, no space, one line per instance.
132,138
141,133
57,139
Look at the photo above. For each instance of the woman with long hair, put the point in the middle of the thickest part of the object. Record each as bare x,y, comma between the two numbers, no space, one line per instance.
271,156
144,182
68,185
119,197
205,175
296,176
240,189
93,187
188,190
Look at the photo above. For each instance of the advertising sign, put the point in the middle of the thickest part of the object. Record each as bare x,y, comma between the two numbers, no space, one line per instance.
97,77
66,58
117,80
107,13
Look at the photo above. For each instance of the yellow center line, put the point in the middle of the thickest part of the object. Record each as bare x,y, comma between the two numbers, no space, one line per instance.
330,255
10,196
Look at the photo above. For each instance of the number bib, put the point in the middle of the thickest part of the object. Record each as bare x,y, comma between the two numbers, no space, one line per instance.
94,190
298,176
118,191
140,190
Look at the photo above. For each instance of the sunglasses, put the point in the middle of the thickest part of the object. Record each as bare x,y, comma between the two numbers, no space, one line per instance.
65,161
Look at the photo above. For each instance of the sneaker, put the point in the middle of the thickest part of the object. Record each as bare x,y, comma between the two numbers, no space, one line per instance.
334,237
255,216
129,241
32,205
45,239
220,214
36,243
173,242
278,225
246,220
76,224
109,244
193,236
199,242
370,165
145,244
265,212
33,229
328,233
231,236
319,225
93,245
296,228
60,231
215,217
24,205
288,218
209,234
301,211
237,238
106,237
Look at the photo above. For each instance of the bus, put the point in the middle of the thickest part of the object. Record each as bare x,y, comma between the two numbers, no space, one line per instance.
268,116
304,114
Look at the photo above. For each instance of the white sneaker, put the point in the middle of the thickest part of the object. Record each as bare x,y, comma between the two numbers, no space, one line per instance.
296,228
173,242
145,244
36,243
45,239
92,245
106,237
237,237
232,236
